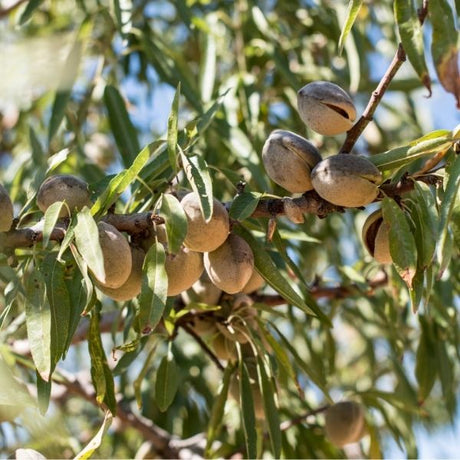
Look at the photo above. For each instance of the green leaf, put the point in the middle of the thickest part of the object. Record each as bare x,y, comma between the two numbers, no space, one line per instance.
38,323
122,129
410,31
402,243
217,411
402,156
270,272
208,62
152,300
247,412
87,241
447,205
197,172
43,394
175,222
353,9
172,130
244,205
32,5
59,301
51,217
101,374
137,383
96,441
57,112
166,382
123,180
270,408
426,362
444,46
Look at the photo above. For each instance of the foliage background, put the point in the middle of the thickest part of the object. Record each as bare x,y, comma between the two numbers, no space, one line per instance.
239,65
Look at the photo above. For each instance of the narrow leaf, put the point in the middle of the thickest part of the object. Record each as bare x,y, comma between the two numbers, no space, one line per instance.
38,323
175,222
152,300
121,126
426,361
43,394
167,382
247,412
402,243
197,172
96,441
57,112
87,241
51,217
208,63
172,130
352,12
444,47
270,272
410,31
32,5
122,181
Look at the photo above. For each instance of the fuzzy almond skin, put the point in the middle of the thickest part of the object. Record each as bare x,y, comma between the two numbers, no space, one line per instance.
376,237
183,269
231,265
63,187
346,180
132,286
288,159
204,236
202,291
254,283
6,210
223,347
117,256
344,423
326,108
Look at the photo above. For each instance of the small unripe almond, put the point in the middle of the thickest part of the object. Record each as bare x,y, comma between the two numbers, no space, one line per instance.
132,286
326,108
230,265
288,159
346,180
223,347
63,187
345,423
204,236
376,237
183,269
202,291
117,256
6,210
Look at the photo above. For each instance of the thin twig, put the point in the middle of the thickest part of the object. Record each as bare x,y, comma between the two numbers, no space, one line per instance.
301,418
374,101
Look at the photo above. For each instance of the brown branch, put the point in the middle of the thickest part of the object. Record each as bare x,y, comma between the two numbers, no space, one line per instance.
374,101
301,418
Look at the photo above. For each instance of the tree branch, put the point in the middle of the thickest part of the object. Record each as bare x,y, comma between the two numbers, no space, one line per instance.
368,114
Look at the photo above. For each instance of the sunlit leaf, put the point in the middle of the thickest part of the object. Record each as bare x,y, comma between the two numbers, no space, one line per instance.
172,130
96,441
166,382
353,9
175,222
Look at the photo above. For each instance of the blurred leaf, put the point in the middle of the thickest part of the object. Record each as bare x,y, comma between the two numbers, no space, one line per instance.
208,63
444,47
101,374
122,129
447,205
217,411
172,130
96,441
175,222
32,5
244,205
410,31
270,408
267,268
353,9
402,243
123,180
247,411
143,372
43,394
51,217
87,241
57,112
152,300
426,363
166,382
38,323
197,172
